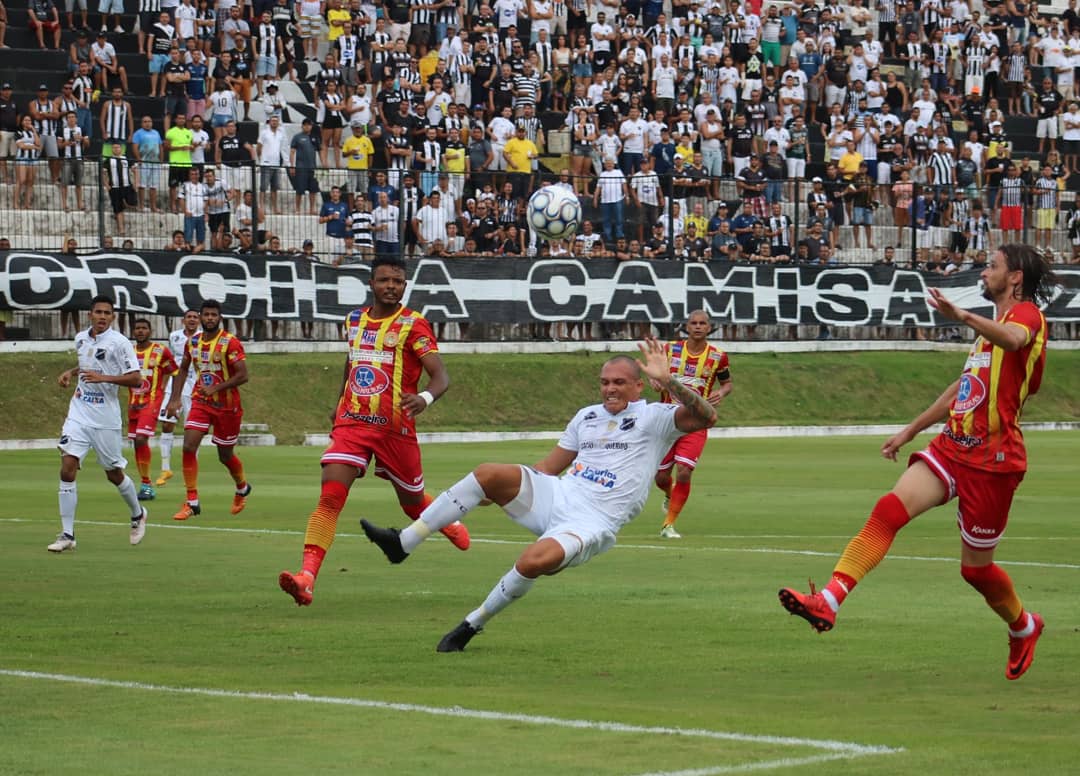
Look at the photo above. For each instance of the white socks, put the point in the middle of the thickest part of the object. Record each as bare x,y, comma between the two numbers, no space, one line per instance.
131,498
165,442
448,507
69,497
510,588
1027,630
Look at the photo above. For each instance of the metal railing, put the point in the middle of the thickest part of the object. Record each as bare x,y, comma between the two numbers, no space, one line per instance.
264,212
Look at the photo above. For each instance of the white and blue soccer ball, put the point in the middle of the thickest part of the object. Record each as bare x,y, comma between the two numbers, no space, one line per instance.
554,212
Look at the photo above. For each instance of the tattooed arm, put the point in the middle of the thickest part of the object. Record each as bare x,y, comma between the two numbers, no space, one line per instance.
696,412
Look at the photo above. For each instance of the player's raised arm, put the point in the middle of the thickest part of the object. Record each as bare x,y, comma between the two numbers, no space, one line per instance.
695,413
935,413
1007,336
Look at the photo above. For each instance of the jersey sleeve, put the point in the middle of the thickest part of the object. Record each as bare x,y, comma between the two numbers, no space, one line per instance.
168,362
1026,316
422,338
124,358
234,352
723,370
569,439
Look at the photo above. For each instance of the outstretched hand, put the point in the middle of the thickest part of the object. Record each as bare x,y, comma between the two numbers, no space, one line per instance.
655,366
938,301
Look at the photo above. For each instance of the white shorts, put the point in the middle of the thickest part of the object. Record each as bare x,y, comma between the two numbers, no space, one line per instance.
499,162
884,173
7,144
542,507
796,168
108,444
185,406
1047,128
111,6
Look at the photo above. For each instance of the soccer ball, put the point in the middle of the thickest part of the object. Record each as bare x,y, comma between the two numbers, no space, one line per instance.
554,212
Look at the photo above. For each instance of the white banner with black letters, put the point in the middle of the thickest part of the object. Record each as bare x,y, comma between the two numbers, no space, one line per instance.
501,290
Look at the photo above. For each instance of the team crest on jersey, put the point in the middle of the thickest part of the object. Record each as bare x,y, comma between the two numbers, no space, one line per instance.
368,381
691,370
627,423
143,387
971,394
65,439
589,416
369,336
391,339
99,354
210,378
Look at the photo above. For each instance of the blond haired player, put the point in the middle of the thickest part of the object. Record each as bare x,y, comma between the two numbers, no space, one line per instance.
701,367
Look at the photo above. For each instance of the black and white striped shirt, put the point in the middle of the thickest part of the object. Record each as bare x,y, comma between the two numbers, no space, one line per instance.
348,48
410,202
961,208
82,87
979,229
1047,195
457,62
27,153
1014,67
116,167
150,6
363,229
887,11
778,226
67,106
943,166
382,39
44,126
976,57
433,152
543,54
116,121
939,57
527,88
75,149
421,15
688,53
266,42
453,122
447,15
532,127
1012,192
397,161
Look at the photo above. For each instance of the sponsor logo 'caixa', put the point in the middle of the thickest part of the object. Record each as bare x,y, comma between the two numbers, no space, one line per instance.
368,381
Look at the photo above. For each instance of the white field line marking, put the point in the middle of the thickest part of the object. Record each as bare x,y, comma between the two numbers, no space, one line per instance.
522,543
842,748
764,765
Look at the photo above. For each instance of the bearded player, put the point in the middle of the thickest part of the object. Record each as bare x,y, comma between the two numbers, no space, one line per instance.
157,365
178,341
701,367
375,419
220,369
979,458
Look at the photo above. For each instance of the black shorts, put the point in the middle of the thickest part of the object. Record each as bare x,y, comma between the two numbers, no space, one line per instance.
958,243
177,175
886,31
305,182
122,198
332,121
420,34
218,221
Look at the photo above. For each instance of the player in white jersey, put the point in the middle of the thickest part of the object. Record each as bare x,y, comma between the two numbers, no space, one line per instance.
178,341
609,453
107,360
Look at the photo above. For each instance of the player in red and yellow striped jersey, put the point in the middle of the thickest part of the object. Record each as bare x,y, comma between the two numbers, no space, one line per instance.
979,458
390,347
701,367
157,364
221,368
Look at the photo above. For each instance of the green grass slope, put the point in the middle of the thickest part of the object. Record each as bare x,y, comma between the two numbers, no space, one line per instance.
295,393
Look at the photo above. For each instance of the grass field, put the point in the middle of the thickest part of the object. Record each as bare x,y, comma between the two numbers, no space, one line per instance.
486,390
181,656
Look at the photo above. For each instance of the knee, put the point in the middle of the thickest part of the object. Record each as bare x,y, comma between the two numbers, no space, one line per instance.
224,454
683,474
540,559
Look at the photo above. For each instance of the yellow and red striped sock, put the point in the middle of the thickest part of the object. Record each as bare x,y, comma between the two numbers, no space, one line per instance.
236,469
680,492
997,588
142,462
322,525
869,546
191,475
415,510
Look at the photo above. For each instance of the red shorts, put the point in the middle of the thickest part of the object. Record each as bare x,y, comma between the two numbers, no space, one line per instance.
1012,217
397,457
226,423
143,422
984,497
686,450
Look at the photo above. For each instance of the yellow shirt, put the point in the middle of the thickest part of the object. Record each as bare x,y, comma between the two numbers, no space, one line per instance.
454,159
849,164
699,223
357,152
686,152
335,20
427,65
517,153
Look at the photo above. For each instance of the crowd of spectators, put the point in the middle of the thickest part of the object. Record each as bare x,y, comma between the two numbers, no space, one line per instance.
437,112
